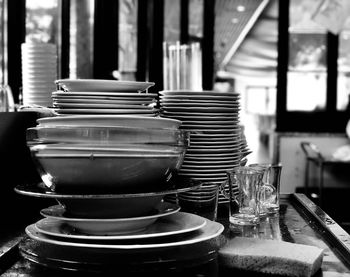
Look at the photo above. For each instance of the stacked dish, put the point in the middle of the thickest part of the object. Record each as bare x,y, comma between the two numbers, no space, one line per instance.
91,96
212,118
109,175
39,71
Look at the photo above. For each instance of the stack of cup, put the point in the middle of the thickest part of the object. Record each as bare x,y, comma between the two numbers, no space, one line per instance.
39,72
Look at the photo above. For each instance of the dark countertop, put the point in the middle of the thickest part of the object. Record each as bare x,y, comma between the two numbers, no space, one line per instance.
299,221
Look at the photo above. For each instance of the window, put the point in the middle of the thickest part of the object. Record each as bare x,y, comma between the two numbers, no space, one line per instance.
312,84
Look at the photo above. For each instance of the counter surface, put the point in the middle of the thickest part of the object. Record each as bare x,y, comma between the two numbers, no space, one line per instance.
299,221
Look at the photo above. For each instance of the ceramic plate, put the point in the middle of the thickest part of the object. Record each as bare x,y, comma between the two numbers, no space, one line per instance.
174,224
204,115
110,226
168,105
103,94
104,111
101,106
81,101
102,85
210,230
199,94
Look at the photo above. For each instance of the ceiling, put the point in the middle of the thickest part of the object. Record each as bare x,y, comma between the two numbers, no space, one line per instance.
246,38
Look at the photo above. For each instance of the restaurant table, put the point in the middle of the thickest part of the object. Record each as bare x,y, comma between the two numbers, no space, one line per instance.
299,221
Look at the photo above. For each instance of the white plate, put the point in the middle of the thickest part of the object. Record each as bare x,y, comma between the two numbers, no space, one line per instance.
199,94
168,105
204,115
101,101
115,94
100,106
210,230
174,224
110,226
203,109
104,111
102,85
110,120
68,96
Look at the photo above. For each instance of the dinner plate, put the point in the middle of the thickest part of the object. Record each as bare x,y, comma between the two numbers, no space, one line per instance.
111,205
102,85
111,120
103,94
101,106
168,105
68,96
105,111
198,93
210,230
101,101
173,224
206,115
185,125
206,118
110,226
203,109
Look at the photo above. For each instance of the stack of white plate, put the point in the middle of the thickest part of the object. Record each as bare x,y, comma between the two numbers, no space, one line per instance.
215,135
89,96
39,72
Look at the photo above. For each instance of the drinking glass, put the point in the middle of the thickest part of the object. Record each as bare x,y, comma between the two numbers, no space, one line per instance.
244,205
270,189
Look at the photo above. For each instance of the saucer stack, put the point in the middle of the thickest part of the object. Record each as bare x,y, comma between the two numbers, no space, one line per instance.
39,72
92,96
212,118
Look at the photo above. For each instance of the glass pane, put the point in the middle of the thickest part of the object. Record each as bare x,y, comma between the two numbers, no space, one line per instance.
41,21
195,18
81,39
343,89
171,20
307,77
127,39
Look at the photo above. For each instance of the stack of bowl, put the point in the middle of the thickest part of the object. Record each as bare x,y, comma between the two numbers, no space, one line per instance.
110,175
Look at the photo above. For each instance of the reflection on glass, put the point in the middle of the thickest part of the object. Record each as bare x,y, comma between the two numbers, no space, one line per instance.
307,52
81,39
307,77
127,39
41,21
300,15
171,20
195,18
343,85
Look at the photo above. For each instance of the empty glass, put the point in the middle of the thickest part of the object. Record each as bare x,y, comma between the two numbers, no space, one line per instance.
202,201
270,189
244,205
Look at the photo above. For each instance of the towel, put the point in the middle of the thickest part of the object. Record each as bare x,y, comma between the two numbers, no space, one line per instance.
271,257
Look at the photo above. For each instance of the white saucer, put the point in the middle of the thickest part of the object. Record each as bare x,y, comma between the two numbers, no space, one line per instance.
174,224
109,226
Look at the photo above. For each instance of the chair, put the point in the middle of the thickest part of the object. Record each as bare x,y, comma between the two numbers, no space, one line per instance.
314,155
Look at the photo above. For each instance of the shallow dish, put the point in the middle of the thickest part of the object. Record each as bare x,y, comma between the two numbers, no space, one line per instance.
110,205
210,230
109,226
102,85
169,225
